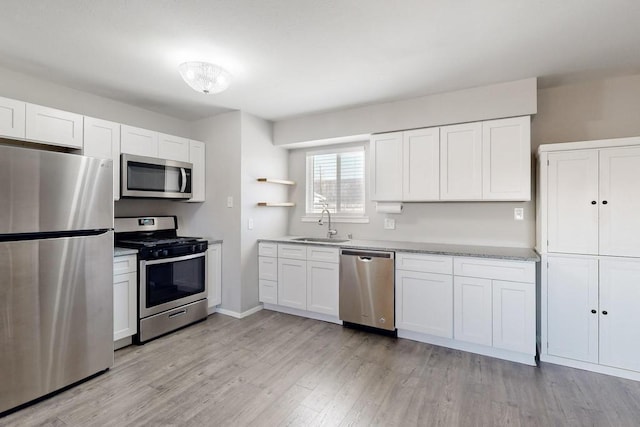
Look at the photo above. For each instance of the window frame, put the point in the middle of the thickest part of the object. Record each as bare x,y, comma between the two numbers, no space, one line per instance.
335,217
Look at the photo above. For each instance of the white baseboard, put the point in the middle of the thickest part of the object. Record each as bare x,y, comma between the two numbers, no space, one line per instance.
236,314
303,313
593,367
527,359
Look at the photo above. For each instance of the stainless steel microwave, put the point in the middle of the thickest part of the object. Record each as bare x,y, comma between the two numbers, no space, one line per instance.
155,178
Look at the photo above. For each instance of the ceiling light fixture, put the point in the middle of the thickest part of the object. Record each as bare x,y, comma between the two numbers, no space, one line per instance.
205,77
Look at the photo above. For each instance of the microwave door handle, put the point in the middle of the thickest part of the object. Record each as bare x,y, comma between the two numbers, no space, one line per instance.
183,174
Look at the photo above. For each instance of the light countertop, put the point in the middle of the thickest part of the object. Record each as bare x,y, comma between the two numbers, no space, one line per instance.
500,252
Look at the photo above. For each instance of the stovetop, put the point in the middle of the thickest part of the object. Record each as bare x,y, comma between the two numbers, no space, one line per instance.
152,242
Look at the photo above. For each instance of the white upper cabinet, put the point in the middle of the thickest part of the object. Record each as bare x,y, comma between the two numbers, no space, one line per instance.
173,147
12,118
506,159
141,142
197,157
572,194
386,166
54,127
461,162
619,206
102,140
592,202
421,165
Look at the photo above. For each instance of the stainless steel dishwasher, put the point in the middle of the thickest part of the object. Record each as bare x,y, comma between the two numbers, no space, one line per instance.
367,288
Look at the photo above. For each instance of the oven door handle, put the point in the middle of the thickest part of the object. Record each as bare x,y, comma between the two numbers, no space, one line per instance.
183,174
144,263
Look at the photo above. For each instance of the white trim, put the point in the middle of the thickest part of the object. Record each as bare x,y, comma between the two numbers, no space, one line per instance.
236,314
336,150
527,359
585,145
122,343
593,367
303,313
353,220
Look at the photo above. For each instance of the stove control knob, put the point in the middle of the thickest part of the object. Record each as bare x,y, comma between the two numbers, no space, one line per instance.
165,252
155,254
193,248
202,247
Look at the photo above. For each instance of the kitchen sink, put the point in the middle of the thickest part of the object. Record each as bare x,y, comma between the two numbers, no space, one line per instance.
319,240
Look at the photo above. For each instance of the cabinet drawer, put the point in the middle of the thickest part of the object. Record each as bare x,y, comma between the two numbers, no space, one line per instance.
426,263
268,249
292,251
323,254
267,268
124,264
514,271
268,291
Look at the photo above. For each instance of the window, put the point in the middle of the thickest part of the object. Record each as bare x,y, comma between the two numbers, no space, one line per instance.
336,179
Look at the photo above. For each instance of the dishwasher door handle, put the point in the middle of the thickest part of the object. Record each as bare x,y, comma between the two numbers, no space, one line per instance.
364,258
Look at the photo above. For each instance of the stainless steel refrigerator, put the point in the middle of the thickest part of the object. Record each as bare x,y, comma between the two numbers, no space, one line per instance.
56,271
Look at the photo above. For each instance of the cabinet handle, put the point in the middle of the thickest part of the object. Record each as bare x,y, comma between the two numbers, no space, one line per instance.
593,311
604,202
593,202
605,312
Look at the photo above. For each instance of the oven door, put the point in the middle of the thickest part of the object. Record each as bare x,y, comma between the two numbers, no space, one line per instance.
155,178
172,282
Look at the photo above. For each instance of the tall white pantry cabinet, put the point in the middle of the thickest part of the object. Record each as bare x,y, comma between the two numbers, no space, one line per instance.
589,238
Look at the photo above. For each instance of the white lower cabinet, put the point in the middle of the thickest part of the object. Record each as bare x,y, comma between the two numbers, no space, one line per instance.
473,307
424,302
214,275
292,283
592,314
322,294
300,277
472,310
125,297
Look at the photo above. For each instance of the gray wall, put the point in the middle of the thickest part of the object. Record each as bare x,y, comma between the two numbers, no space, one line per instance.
597,109
487,102
25,88
260,158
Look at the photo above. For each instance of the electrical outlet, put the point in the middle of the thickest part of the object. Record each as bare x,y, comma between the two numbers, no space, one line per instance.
250,224
230,201
518,214
389,224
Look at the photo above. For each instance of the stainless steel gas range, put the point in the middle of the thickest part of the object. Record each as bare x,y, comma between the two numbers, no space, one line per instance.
172,274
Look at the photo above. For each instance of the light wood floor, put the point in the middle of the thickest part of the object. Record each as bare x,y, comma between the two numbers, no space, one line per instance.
276,369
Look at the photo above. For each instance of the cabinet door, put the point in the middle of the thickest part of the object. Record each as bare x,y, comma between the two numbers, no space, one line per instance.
141,142
506,159
421,165
424,303
12,118
197,157
268,268
102,140
461,162
572,193
619,217
386,167
620,326
514,316
173,147
125,293
472,310
322,287
54,127
268,291
292,283
214,275
572,295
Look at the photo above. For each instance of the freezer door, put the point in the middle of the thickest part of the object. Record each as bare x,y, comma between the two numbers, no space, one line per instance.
56,314
48,191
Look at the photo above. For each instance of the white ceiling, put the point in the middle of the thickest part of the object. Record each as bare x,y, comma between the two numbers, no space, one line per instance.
299,56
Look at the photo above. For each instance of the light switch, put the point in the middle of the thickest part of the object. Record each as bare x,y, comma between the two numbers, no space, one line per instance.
230,201
389,224
518,214
250,224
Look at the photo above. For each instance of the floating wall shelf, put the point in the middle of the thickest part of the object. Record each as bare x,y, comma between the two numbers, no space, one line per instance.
277,181
276,204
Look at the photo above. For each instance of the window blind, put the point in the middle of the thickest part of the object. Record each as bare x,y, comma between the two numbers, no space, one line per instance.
336,180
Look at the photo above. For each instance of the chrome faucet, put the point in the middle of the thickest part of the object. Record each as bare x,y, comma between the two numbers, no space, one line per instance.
330,232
